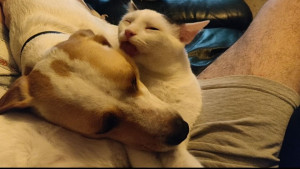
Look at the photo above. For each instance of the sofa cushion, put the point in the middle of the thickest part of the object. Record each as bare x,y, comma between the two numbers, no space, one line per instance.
230,13
208,45
290,150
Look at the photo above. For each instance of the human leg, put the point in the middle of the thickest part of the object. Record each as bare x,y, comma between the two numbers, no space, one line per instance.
269,48
243,122
244,117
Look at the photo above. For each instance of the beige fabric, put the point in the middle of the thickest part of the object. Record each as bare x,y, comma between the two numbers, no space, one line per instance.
243,122
8,70
7,65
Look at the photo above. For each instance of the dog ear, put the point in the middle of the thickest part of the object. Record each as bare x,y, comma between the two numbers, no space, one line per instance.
17,96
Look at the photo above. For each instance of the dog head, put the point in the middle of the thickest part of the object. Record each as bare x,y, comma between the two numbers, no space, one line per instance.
86,86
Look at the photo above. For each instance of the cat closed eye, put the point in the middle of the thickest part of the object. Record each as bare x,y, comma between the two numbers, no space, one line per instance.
127,21
152,28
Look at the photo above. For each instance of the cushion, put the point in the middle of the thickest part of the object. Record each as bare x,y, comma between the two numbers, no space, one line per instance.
208,45
230,13
290,150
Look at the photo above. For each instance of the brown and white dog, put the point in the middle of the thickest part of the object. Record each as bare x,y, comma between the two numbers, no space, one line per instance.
77,79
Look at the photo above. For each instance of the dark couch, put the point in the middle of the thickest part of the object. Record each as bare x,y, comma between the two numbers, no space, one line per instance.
229,19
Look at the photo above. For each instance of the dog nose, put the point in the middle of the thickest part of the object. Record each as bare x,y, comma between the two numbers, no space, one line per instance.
180,132
129,33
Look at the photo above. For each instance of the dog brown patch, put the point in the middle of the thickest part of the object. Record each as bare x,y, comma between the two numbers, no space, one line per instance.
61,68
17,96
67,113
133,135
27,70
102,40
111,63
39,82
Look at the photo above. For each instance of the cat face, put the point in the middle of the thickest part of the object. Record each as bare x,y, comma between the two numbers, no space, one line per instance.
141,31
148,33
152,41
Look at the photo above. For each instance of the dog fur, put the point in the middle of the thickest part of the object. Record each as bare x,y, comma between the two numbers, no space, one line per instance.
78,80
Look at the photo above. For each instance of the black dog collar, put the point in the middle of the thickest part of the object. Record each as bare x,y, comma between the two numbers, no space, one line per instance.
34,36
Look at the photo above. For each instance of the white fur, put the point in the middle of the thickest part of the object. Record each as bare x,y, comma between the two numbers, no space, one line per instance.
28,141
36,12
165,69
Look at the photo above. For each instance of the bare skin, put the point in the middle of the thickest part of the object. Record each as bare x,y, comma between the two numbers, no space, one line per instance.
270,48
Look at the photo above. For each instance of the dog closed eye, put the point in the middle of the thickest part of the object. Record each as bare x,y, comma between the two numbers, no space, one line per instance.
109,121
134,84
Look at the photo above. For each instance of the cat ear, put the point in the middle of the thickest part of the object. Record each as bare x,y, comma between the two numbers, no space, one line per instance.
132,7
188,31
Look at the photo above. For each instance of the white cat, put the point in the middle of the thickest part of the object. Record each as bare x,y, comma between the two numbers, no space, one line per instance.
157,46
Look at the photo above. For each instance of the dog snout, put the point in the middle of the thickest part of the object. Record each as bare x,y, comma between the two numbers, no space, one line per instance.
180,131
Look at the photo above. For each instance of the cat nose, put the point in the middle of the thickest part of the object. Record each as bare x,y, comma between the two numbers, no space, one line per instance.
129,33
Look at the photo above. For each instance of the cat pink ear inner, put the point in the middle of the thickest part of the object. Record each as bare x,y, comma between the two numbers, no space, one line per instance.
132,7
188,31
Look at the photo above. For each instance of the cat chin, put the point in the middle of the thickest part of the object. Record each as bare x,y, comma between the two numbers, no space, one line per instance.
129,48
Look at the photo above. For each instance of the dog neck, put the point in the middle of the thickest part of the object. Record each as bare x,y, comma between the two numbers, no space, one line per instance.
34,36
36,46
